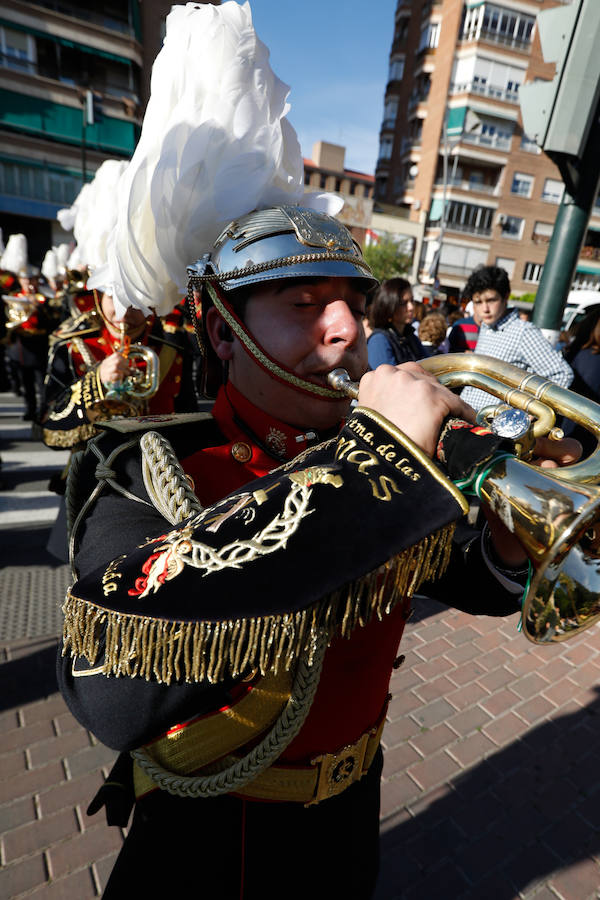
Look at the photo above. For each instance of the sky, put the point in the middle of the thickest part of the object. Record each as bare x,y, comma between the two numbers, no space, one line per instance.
335,57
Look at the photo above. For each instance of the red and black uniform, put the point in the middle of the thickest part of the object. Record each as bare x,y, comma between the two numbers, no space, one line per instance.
170,627
74,395
27,350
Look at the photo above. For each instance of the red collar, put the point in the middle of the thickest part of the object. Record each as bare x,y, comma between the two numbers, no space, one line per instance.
237,417
255,443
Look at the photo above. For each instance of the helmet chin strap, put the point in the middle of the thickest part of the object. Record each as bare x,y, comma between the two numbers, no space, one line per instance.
256,352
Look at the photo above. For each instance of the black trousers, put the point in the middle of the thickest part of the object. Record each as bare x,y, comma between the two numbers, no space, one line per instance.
237,849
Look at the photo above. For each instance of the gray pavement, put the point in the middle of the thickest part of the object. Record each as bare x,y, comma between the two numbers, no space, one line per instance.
491,781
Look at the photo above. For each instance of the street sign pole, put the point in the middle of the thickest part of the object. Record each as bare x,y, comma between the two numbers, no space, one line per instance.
568,235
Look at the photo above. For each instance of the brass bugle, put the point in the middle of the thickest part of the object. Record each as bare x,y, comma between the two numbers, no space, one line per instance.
553,513
141,383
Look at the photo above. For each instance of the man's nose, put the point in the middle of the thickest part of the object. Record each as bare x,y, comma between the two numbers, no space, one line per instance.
341,324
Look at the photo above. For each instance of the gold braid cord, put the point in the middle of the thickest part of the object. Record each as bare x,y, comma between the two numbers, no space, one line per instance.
211,651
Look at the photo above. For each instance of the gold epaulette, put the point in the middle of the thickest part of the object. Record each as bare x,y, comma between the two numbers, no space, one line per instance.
72,326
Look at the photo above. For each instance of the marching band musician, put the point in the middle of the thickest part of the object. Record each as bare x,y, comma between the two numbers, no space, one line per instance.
87,360
234,636
28,323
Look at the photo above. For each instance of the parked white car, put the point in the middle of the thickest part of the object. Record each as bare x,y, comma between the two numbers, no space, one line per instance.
578,304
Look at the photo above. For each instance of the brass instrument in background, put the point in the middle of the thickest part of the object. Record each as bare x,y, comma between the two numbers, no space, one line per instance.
554,513
18,309
128,396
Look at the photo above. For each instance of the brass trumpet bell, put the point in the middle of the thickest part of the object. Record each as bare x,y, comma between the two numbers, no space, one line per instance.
554,513
558,525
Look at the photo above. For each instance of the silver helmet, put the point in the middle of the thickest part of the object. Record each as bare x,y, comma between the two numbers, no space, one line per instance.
283,242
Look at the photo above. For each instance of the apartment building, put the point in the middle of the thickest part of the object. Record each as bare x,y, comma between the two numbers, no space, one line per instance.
452,142
52,53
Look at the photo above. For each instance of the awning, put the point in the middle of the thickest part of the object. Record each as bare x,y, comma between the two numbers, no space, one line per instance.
456,121
588,269
437,208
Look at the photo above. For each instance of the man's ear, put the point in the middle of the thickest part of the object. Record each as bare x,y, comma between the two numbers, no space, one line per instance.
219,334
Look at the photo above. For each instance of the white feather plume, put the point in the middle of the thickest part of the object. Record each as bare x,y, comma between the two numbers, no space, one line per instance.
15,256
50,264
93,215
215,144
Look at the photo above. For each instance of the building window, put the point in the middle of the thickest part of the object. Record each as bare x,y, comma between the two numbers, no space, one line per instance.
553,190
385,148
512,226
533,272
522,184
469,217
529,145
490,133
396,72
323,182
503,262
381,186
430,36
402,28
338,184
38,183
542,232
18,50
390,111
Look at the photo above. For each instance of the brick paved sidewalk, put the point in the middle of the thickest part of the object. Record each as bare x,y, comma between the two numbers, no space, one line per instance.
492,770
491,778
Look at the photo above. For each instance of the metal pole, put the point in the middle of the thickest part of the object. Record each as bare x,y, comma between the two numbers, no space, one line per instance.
567,237
83,136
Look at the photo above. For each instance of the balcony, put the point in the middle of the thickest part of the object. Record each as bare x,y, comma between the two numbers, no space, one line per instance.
505,40
471,186
485,90
457,271
466,228
495,141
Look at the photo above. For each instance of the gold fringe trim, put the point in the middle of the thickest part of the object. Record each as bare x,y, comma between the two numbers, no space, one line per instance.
68,438
157,649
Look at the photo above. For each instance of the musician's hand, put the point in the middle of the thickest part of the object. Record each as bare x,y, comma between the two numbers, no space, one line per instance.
413,400
113,369
552,454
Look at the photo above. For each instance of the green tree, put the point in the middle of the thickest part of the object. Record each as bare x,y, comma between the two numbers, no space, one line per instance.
386,259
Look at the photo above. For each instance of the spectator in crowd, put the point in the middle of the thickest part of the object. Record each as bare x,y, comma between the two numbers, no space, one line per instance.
392,339
583,355
506,336
432,334
420,312
464,332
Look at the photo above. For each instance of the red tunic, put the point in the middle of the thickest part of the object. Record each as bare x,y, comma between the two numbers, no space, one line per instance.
356,671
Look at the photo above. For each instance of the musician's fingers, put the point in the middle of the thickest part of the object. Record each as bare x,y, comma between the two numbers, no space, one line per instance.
550,454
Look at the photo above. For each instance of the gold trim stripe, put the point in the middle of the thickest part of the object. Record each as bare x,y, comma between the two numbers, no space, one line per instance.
187,748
